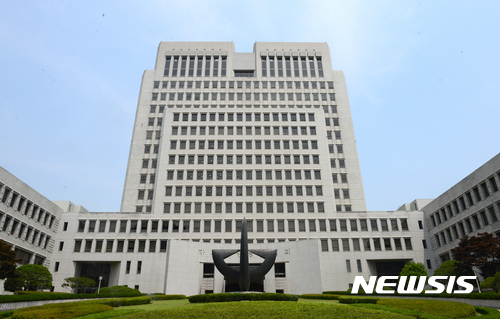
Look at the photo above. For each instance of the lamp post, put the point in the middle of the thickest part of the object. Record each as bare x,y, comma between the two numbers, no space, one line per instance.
99,288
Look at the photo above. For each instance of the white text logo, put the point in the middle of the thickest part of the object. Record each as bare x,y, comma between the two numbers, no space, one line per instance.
412,287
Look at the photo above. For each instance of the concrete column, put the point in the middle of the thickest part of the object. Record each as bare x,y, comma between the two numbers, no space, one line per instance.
218,281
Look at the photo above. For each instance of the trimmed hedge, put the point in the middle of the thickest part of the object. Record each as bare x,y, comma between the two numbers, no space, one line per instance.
119,290
41,293
60,311
5,314
336,293
167,297
487,313
58,296
357,299
224,297
472,295
320,296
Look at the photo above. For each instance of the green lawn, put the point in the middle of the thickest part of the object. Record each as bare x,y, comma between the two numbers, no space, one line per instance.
305,308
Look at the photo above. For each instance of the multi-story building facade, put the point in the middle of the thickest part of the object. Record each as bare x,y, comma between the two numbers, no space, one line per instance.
28,221
220,136
470,207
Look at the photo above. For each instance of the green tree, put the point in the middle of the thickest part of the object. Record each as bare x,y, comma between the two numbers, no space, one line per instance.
31,278
481,251
492,282
7,260
76,284
453,268
414,269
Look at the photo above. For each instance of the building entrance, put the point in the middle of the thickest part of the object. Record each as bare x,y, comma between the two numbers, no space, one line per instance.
93,270
234,286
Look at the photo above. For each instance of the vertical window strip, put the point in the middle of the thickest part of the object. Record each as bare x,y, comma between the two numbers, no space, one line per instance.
311,67
208,62
264,66
167,65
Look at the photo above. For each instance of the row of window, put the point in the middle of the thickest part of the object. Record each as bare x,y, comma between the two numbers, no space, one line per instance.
206,96
479,192
229,130
240,159
286,66
207,65
250,207
249,191
117,246
238,175
231,225
202,144
366,244
22,231
468,225
149,208
161,108
26,207
243,85
222,116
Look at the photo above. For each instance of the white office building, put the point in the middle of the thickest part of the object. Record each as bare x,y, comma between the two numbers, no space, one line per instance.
220,136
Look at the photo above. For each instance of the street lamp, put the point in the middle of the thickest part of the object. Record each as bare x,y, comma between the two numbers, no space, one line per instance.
99,288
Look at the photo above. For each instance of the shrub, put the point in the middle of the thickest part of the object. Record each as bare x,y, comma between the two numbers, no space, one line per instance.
320,296
348,292
60,311
33,296
224,297
487,312
167,297
119,290
436,307
5,314
356,299
42,293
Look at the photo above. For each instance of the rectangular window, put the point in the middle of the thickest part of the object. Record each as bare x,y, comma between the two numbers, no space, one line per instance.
335,244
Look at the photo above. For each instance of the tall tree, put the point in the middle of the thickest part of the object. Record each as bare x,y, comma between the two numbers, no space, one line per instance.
7,260
481,251
31,277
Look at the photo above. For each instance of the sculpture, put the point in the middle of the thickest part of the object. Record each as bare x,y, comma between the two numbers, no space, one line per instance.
244,276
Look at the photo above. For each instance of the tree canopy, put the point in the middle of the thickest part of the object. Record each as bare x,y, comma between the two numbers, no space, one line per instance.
482,252
453,268
414,269
31,278
78,283
7,260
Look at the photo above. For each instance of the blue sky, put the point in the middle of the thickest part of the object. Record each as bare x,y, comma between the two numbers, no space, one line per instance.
423,80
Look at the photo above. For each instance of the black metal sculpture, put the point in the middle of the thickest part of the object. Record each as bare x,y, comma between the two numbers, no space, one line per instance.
244,276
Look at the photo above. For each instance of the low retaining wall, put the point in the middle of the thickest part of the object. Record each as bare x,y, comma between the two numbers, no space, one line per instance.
23,304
